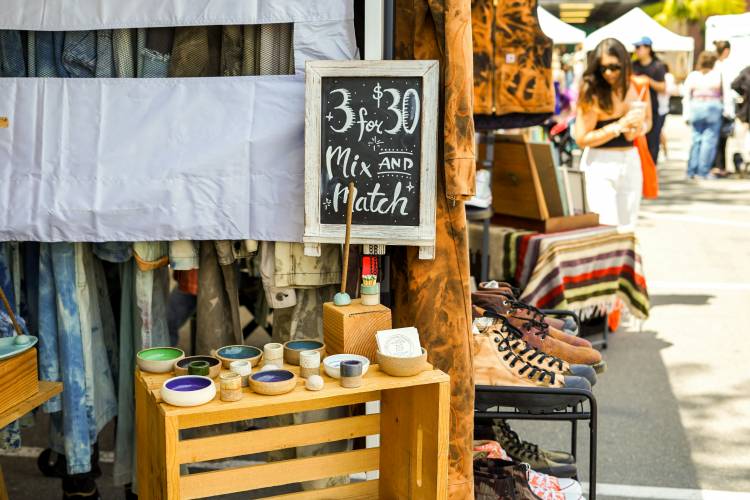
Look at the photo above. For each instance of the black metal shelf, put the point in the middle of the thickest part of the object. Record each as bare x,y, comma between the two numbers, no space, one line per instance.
571,413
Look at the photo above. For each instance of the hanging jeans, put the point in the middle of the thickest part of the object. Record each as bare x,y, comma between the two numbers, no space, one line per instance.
11,54
61,355
10,436
705,119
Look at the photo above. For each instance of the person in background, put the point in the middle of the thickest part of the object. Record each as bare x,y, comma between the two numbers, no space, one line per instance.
607,123
647,64
723,49
664,97
702,107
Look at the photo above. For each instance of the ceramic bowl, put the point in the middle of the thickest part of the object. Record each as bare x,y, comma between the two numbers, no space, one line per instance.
158,359
188,390
230,353
294,347
214,365
273,382
332,364
403,367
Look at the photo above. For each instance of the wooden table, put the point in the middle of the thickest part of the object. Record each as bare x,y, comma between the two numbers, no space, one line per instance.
46,391
412,458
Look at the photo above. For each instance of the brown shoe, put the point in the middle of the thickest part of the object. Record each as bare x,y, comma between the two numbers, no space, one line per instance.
519,313
536,335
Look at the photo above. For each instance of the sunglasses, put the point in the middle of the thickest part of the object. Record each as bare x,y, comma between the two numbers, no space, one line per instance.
614,68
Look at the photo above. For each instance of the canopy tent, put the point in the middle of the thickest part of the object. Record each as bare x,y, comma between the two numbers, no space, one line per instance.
635,24
560,32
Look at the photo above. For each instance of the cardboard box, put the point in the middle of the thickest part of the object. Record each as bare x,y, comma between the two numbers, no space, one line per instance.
351,329
18,379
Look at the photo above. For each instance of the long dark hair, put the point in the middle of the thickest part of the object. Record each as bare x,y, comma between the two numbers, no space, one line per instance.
594,88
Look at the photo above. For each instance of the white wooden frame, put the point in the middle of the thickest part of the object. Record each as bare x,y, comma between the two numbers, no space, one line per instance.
423,235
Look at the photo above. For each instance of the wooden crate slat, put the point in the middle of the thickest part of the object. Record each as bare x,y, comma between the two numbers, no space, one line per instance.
276,438
46,391
255,405
364,490
253,477
222,412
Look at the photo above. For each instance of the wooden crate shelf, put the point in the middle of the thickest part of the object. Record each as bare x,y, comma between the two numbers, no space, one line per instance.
412,459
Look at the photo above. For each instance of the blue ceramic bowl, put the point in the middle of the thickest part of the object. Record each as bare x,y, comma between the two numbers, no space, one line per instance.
294,347
230,353
273,382
188,390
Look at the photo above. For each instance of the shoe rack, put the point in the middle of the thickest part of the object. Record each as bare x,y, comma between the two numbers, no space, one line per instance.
543,404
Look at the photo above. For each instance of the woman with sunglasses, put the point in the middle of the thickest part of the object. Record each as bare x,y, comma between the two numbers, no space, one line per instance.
611,114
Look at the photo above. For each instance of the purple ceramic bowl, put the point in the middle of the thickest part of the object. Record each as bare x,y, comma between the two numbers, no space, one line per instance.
188,390
188,383
272,376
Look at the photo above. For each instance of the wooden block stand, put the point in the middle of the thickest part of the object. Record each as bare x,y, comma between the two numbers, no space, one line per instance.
412,459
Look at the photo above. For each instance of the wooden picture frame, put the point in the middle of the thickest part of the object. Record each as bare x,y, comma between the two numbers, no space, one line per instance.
316,232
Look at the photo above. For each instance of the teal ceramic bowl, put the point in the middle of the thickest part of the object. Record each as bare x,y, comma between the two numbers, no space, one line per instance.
230,353
158,359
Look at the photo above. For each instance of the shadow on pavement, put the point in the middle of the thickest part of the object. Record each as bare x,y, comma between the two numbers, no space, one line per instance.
641,438
677,299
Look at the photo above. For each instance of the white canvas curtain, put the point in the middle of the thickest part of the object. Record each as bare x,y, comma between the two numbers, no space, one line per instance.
162,158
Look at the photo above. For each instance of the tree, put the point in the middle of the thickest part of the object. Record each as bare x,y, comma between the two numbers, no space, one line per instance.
689,16
697,10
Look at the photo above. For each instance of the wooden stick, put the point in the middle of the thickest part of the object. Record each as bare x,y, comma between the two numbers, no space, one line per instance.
349,209
10,312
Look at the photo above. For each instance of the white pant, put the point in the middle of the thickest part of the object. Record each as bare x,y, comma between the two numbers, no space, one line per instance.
614,184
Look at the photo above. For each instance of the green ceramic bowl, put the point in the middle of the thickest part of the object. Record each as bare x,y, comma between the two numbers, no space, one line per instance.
158,359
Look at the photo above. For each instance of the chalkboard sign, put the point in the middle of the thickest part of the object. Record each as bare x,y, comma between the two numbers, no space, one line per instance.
372,123
378,146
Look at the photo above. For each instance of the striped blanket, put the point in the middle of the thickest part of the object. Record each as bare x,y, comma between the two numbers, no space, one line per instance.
588,271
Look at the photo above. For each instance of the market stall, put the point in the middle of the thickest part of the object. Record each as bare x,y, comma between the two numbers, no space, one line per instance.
166,141
559,31
635,24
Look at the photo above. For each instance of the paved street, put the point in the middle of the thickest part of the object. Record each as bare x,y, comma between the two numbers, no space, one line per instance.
675,402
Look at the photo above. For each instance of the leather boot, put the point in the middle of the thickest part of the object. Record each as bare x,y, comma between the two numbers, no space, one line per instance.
542,360
509,293
519,312
537,335
496,364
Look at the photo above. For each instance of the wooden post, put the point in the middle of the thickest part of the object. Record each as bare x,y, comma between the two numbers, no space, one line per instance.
347,238
10,312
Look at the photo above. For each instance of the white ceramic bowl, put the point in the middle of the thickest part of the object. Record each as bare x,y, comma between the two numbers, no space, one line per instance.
188,390
332,364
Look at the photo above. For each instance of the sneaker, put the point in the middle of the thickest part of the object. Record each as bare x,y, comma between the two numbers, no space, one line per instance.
79,487
483,198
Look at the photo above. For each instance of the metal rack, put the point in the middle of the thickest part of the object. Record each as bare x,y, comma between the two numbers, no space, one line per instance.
506,397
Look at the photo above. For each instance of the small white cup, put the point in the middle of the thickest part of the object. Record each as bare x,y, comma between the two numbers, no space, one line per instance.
273,354
242,368
309,363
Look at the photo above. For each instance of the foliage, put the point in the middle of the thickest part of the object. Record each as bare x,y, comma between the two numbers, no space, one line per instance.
697,10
